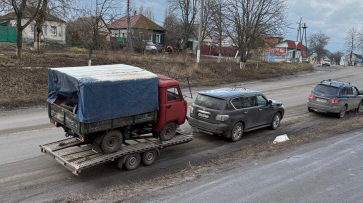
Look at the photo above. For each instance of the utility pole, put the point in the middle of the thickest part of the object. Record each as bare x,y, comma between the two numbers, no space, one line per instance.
298,31
129,38
200,29
306,43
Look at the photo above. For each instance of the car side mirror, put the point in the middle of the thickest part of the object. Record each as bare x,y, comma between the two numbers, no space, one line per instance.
269,102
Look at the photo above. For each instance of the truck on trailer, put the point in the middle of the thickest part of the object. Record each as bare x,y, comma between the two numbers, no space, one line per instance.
104,107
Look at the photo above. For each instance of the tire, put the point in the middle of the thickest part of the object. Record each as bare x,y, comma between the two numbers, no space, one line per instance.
132,161
275,122
149,157
310,110
168,132
111,142
237,132
342,112
358,109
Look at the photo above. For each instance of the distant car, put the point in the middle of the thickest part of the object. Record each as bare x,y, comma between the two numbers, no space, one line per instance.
150,47
326,62
231,111
305,60
330,96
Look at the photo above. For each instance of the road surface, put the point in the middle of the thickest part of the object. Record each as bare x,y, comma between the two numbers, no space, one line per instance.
327,171
27,175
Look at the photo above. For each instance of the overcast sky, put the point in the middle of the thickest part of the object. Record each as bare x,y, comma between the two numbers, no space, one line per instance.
332,17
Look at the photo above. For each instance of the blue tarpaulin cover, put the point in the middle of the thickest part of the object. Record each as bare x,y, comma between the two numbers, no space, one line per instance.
104,92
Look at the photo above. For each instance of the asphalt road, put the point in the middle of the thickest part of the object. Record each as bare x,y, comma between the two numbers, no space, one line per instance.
327,171
27,175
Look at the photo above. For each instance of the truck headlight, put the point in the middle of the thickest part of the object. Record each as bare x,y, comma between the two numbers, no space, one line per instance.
222,117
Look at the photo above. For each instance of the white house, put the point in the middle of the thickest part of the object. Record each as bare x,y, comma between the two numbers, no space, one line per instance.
356,60
54,29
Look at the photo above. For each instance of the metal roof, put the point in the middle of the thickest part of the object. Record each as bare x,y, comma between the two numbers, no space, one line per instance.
136,21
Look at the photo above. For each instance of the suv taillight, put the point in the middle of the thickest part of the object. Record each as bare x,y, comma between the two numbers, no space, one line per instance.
311,96
333,101
222,117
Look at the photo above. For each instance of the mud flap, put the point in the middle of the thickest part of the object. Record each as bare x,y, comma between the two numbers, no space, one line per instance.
96,143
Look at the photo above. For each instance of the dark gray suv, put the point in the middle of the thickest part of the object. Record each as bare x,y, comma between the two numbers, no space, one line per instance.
331,96
231,111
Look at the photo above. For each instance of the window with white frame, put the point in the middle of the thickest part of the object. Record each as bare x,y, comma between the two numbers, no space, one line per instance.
53,30
44,28
158,36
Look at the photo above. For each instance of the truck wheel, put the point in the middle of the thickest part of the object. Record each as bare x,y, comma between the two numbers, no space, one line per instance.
148,158
168,132
132,161
111,142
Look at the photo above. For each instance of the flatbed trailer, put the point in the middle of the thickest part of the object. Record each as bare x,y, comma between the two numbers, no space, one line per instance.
76,156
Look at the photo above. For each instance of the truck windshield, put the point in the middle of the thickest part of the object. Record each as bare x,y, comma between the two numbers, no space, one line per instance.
324,89
210,102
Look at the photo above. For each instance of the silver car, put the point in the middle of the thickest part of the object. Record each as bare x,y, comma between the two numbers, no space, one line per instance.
331,96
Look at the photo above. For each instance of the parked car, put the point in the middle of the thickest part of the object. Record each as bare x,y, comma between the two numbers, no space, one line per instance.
231,111
326,62
150,47
331,96
305,60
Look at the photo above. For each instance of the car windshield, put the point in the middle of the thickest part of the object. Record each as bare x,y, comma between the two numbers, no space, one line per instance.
210,102
327,60
324,89
150,44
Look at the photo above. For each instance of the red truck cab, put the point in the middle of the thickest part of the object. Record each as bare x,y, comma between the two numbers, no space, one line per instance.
172,108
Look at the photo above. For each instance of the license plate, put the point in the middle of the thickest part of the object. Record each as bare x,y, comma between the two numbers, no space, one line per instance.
321,100
203,115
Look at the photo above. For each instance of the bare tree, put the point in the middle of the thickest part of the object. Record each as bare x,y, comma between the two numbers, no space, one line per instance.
317,43
90,30
59,8
187,11
147,12
173,28
352,42
252,20
217,23
20,7
336,56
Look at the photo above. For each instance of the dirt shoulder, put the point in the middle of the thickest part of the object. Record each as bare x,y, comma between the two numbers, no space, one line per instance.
323,127
24,82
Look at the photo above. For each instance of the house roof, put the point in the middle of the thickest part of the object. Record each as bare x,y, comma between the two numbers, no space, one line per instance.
291,45
136,21
28,12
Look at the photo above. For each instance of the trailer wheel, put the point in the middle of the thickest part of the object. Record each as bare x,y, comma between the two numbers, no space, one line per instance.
132,161
168,132
149,157
111,142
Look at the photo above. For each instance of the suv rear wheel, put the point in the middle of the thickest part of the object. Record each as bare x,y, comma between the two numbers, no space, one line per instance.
342,112
237,132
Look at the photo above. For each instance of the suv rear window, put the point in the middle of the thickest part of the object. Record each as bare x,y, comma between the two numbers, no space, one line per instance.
210,102
324,89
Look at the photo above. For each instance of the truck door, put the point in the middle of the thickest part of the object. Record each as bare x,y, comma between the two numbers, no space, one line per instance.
175,109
